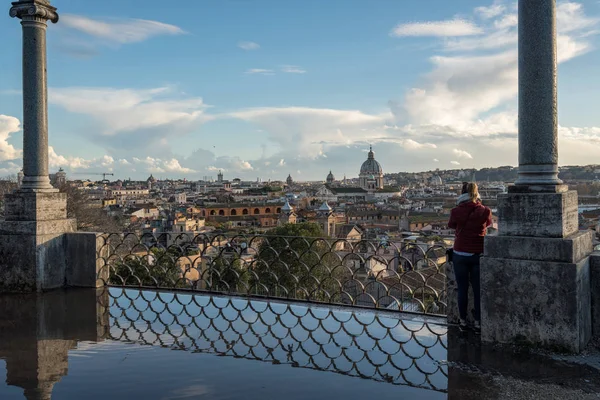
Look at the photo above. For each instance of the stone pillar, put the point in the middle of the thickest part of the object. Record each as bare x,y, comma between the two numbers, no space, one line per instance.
535,274
33,254
34,14
538,120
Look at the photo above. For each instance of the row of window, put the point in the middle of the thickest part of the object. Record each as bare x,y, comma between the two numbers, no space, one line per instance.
245,211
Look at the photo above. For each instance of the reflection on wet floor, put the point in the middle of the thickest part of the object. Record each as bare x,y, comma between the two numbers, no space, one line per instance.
119,343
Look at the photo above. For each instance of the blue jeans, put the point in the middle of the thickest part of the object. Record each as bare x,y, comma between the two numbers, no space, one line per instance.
466,269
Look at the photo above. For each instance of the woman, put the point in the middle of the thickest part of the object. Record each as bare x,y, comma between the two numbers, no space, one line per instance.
470,219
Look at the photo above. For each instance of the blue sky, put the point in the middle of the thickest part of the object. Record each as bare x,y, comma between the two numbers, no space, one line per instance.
264,88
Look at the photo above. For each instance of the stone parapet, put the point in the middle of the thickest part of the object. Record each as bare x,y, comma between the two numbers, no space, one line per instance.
537,303
533,214
595,291
571,249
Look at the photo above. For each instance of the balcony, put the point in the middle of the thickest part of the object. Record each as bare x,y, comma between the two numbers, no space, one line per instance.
183,316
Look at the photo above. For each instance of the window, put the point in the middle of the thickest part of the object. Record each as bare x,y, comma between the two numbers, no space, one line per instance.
245,211
221,212
278,210
233,212
212,212
267,210
256,211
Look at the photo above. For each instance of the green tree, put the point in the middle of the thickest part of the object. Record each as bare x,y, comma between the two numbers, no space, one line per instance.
228,273
157,268
294,261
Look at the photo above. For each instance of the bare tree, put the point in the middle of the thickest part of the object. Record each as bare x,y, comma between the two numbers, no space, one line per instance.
8,185
90,217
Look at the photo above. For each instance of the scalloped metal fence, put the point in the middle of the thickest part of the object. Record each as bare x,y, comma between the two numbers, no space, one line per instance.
402,276
359,343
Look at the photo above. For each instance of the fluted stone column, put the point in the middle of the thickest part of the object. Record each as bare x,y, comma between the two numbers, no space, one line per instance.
538,119
535,274
34,15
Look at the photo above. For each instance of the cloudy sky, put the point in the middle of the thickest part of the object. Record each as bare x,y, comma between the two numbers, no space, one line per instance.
264,88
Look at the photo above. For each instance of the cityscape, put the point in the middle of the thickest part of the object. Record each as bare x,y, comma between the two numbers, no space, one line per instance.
341,199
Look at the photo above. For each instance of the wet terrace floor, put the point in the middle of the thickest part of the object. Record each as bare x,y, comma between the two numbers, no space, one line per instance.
125,344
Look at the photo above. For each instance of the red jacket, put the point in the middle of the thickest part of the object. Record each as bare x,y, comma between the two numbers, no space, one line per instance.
470,220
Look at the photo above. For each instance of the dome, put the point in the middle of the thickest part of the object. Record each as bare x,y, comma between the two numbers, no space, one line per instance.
324,207
330,177
371,166
287,208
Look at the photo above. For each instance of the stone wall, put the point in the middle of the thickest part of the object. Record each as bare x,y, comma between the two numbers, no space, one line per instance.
595,291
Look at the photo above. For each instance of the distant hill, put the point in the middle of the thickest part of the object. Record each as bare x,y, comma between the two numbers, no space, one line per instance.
498,174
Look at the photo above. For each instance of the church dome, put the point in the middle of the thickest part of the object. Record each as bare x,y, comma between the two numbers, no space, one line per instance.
330,177
371,166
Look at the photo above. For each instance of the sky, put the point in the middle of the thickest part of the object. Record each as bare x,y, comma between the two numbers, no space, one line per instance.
267,88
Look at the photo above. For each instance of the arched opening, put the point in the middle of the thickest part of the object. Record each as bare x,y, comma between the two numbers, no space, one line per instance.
221,212
233,212
256,211
203,213
278,210
245,211
212,212
267,210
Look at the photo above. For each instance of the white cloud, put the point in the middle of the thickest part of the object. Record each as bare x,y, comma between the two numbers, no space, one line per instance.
260,71
141,118
455,27
472,92
124,162
462,154
248,46
454,163
436,160
107,161
492,11
281,162
8,126
58,161
292,69
309,130
158,165
120,31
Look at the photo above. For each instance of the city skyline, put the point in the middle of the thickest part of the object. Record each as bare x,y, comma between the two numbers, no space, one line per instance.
264,89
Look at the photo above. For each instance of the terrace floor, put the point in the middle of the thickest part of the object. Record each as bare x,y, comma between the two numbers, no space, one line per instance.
126,343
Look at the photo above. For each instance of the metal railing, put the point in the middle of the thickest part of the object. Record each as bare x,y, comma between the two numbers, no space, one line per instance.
369,345
402,276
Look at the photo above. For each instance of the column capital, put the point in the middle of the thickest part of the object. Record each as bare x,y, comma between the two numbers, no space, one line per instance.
36,10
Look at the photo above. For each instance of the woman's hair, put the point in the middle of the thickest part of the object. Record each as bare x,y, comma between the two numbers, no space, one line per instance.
473,191
464,188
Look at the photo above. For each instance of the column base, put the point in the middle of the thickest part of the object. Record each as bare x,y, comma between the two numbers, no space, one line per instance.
536,303
33,247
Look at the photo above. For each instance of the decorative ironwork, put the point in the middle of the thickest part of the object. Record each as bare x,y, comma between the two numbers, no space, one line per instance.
367,344
404,276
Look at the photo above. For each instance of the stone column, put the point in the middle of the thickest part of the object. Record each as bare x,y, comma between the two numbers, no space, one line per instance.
535,274
538,120
33,244
34,14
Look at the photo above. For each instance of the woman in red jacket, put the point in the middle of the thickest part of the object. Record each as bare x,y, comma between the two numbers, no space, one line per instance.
470,219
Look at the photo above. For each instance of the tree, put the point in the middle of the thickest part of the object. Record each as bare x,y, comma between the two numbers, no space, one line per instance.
89,217
7,186
157,268
294,261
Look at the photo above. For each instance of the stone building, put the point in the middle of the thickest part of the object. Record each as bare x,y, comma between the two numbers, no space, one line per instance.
326,219
371,173
287,216
330,178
